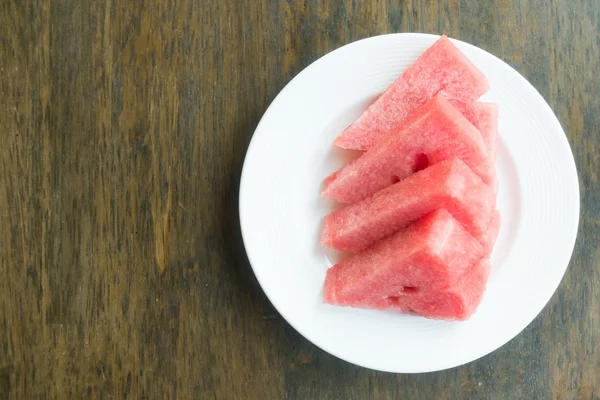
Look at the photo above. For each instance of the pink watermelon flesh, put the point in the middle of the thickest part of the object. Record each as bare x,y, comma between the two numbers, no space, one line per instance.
487,123
456,302
466,109
484,116
438,133
487,115
441,68
488,239
449,184
434,252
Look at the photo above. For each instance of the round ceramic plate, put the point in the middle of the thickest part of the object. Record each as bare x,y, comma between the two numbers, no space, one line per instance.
281,211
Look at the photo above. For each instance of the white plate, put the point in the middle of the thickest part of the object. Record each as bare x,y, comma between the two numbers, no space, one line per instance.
281,212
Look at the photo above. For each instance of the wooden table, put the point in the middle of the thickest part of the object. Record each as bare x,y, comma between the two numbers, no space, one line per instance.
123,128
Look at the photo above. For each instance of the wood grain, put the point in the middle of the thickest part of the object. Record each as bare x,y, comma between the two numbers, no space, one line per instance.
123,131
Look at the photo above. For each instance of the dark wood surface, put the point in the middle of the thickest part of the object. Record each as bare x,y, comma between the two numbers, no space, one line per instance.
123,128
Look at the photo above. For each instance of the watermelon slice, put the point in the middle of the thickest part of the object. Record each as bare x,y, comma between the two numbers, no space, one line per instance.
484,116
456,302
432,253
487,123
488,239
449,184
441,68
437,132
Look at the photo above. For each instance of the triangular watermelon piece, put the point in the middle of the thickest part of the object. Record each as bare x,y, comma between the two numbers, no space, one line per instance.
487,123
488,239
449,184
438,132
441,68
434,252
484,116
456,302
